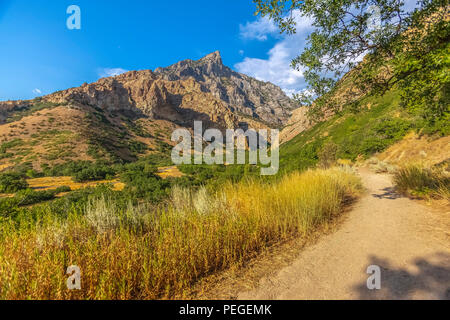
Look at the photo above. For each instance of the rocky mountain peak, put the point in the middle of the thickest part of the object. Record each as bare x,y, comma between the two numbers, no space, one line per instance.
210,65
245,95
213,57
206,87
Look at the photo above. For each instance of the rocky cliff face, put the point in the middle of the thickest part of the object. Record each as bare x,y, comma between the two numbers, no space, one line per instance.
187,91
298,123
144,94
244,95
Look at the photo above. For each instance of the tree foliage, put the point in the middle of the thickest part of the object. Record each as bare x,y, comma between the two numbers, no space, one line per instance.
11,182
382,42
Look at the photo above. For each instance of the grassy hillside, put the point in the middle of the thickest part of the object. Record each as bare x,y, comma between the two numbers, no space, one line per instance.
42,135
378,123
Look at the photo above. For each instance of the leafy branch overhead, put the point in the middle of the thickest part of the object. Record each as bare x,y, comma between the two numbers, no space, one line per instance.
382,42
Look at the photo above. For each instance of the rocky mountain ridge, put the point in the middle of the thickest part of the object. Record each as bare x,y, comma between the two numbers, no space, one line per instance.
245,95
134,113
185,91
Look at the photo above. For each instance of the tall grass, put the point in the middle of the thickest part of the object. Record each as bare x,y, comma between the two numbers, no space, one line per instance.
151,253
420,181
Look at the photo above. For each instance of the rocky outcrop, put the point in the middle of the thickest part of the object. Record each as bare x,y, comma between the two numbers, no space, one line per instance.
189,90
186,91
298,123
141,93
244,95
9,107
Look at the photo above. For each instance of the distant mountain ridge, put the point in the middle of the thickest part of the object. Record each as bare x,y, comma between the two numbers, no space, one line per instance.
135,112
151,92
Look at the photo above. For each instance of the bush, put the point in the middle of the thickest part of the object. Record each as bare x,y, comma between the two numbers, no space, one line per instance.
142,182
328,155
381,166
419,181
96,172
29,196
137,147
63,189
10,144
15,208
11,182
82,171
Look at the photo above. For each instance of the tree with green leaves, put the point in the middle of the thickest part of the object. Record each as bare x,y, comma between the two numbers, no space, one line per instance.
11,182
379,40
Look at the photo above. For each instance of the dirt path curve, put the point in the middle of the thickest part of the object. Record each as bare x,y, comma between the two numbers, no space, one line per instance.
407,240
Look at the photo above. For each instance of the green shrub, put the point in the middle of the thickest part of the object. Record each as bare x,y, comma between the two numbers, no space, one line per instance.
35,107
94,173
63,189
328,155
419,181
29,196
143,183
18,207
81,171
137,147
11,182
10,144
31,173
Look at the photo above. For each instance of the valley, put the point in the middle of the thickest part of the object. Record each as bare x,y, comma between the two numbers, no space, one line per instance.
89,175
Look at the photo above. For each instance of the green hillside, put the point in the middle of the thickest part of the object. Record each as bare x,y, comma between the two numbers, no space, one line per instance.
355,134
419,101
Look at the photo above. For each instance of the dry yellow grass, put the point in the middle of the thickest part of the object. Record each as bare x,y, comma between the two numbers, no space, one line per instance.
6,195
344,162
413,149
148,253
4,166
169,172
50,183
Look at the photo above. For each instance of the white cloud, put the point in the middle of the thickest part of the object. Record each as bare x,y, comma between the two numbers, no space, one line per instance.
258,29
111,72
37,91
277,68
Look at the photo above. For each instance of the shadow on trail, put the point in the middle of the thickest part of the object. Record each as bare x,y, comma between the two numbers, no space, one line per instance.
430,279
388,193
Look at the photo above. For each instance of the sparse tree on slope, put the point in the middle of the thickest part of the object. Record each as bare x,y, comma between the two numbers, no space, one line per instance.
396,45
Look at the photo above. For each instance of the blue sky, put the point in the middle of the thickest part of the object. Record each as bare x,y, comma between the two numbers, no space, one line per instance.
39,54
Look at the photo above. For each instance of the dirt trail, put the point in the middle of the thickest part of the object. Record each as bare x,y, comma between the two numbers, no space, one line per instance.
410,242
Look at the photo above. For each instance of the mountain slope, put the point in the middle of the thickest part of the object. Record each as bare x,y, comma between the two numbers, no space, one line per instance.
410,94
123,117
379,123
